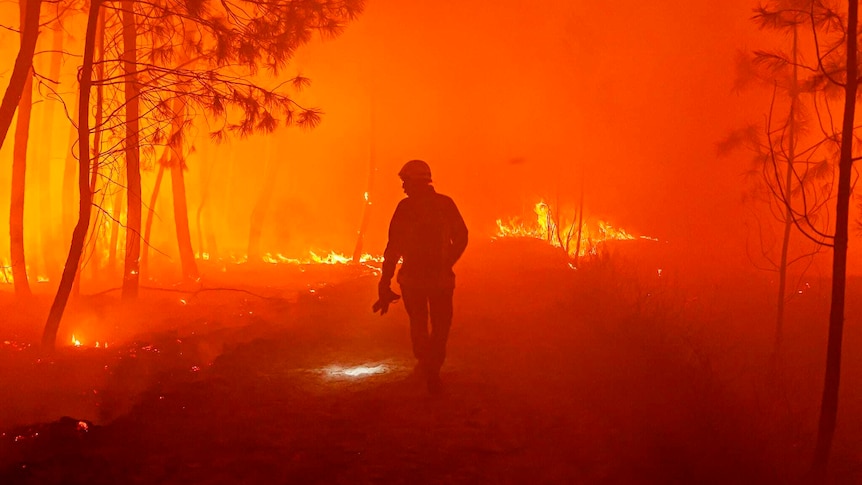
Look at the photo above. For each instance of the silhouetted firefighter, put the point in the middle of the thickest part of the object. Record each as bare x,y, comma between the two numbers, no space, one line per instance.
428,233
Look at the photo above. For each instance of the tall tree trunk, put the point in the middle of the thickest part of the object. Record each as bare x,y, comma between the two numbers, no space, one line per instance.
366,208
178,188
788,213
19,171
261,207
113,245
99,70
145,251
580,223
48,229
131,270
181,220
829,403
70,181
49,336
212,243
23,65
210,249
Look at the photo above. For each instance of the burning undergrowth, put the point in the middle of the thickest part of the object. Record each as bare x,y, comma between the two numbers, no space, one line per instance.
578,237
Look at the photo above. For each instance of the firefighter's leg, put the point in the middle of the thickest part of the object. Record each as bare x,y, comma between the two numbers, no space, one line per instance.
440,301
416,304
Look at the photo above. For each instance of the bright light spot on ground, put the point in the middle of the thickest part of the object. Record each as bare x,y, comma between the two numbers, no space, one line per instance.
358,371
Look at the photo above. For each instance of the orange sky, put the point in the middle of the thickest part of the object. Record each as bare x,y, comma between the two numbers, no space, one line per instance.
633,95
508,104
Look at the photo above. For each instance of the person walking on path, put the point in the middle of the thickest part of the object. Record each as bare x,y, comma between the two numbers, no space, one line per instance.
428,234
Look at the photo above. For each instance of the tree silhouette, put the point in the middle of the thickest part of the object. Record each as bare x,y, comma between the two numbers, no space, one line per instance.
23,64
792,170
850,84
222,44
792,162
49,335
19,171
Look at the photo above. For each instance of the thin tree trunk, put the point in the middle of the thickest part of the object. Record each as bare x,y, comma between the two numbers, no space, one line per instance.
212,244
23,65
557,217
48,229
366,208
99,69
205,218
829,403
19,171
70,180
131,270
178,188
788,214
261,207
116,213
181,219
145,251
204,184
580,223
49,336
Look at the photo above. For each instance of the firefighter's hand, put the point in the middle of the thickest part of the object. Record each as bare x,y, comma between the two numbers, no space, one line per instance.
385,297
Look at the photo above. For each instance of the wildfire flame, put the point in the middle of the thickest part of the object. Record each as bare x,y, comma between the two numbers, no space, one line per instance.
277,258
576,241
6,274
314,258
75,342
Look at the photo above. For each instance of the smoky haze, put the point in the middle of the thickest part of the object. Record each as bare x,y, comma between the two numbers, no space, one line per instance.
622,103
664,354
523,101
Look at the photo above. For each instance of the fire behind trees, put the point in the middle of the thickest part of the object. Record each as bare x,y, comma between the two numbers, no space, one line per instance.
170,117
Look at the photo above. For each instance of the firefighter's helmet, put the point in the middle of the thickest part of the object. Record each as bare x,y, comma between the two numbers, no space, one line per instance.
416,170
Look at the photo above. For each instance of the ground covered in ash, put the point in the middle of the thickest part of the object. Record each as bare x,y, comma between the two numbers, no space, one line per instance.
634,368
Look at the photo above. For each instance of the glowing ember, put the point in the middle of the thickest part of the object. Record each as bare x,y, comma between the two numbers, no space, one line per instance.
14,345
358,371
75,342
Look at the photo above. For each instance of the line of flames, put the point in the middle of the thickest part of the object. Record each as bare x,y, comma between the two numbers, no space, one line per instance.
312,258
277,258
564,235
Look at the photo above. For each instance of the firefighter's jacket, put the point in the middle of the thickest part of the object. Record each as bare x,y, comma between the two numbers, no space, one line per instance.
429,235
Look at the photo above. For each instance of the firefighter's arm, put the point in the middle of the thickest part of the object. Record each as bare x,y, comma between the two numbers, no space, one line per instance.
391,255
459,234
